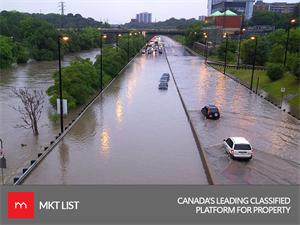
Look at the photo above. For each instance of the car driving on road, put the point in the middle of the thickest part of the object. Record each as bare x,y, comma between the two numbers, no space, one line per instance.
164,79
238,147
211,112
163,85
166,75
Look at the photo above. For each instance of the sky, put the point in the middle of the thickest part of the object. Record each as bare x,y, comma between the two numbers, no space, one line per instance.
115,11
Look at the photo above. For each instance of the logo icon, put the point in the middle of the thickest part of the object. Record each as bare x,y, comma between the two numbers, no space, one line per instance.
20,205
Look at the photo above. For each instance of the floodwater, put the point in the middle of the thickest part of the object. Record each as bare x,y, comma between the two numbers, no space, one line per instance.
137,134
33,75
273,134
134,133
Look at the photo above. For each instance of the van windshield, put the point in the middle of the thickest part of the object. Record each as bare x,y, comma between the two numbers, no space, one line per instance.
242,147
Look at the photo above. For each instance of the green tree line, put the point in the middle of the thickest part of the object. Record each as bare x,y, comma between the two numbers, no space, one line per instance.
171,23
69,21
24,37
82,77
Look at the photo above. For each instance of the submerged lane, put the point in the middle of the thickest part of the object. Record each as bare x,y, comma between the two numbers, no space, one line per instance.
133,134
20,145
273,133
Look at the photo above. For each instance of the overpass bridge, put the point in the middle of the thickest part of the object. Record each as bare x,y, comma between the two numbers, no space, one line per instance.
143,31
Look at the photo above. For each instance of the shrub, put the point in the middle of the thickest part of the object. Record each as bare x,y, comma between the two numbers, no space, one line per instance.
275,71
54,118
295,68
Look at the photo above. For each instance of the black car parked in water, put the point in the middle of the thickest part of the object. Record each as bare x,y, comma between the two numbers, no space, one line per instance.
211,112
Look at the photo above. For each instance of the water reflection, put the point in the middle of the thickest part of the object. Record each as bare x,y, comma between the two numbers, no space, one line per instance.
119,111
104,142
131,83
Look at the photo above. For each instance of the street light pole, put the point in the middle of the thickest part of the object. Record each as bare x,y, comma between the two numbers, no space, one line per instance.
65,38
241,34
226,37
128,46
287,40
101,49
253,38
205,37
118,36
133,43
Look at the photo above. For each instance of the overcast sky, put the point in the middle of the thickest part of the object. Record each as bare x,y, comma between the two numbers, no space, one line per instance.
115,11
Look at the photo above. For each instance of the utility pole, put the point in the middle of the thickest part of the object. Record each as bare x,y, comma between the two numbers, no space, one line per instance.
62,6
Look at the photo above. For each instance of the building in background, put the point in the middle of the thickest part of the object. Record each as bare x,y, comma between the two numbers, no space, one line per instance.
144,17
244,6
228,22
277,7
202,18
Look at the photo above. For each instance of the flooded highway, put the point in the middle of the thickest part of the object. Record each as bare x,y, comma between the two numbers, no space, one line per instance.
274,134
137,134
133,134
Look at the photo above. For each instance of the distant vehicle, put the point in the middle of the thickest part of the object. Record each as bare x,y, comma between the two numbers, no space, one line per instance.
166,75
143,51
238,147
149,51
164,79
160,50
163,85
211,112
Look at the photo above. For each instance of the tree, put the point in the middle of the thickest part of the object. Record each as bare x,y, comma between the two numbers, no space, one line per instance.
296,11
295,68
231,48
79,81
275,71
277,54
32,110
262,51
262,18
6,56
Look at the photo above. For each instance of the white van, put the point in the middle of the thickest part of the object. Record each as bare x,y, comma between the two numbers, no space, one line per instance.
238,147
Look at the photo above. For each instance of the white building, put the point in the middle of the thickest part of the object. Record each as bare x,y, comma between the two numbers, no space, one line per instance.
144,17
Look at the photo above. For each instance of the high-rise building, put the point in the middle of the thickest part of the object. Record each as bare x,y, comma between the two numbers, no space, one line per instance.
277,7
144,17
244,6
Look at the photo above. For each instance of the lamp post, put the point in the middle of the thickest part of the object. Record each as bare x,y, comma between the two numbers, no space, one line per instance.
65,38
133,43
128,46
101,51
241,34
118,36
205,37
225,35
253,38
287,40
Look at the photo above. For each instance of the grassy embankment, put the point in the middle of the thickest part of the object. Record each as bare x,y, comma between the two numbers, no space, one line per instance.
289,81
